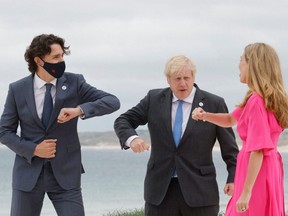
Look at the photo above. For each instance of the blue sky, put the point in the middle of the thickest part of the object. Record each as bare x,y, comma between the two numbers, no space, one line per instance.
121,46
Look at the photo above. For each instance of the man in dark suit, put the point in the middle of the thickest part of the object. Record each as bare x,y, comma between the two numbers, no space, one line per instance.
48,152
181,177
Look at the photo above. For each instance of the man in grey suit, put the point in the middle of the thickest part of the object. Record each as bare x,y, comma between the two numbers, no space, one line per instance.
181,177
48,152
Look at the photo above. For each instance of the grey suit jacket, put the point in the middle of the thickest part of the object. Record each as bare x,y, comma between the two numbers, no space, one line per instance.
193,157
71,91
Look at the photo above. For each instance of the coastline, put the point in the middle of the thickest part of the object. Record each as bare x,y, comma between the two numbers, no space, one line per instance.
281,149
106,146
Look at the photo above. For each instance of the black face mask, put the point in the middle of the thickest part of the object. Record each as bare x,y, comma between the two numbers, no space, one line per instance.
55,69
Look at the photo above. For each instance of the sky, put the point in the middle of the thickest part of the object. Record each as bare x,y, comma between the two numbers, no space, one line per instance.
122,46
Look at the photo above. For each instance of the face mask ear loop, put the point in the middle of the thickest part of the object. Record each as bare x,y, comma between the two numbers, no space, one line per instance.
43,61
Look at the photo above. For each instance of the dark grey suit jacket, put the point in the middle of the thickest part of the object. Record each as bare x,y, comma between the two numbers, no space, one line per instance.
71,91
193,157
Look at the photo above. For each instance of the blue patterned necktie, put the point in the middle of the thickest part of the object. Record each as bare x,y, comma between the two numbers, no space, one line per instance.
177,128
48,105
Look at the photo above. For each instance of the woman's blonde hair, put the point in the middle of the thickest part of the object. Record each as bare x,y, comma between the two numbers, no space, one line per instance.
265,78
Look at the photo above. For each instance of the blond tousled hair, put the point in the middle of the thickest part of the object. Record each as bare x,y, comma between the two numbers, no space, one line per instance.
177,63
265,78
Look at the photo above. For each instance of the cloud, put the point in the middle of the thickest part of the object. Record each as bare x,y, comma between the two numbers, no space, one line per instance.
122,46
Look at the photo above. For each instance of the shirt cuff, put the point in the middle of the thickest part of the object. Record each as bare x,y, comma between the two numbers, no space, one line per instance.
82,116
129,140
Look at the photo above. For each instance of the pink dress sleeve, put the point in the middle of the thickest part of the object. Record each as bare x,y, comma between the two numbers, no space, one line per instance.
236,113
258,129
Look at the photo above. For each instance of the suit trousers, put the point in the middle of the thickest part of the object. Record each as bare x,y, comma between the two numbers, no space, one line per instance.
175,205
65,202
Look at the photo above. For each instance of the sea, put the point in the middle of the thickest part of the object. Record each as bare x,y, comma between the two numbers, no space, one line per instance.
113,180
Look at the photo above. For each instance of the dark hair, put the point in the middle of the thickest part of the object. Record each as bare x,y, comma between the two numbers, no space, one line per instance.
41,46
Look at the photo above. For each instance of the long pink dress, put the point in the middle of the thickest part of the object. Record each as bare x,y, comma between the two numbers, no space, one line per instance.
259,129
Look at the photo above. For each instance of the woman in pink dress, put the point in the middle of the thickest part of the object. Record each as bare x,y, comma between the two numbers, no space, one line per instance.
260,118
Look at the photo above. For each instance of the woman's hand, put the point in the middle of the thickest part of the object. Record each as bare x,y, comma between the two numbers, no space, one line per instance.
198,114
242,203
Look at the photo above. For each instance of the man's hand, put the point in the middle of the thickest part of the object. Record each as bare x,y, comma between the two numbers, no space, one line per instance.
67,114
46,149
229,189
138,145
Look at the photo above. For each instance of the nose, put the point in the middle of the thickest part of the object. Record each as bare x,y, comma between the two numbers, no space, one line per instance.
182,82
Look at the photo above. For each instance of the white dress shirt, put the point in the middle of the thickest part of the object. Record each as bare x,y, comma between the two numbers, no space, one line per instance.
187,106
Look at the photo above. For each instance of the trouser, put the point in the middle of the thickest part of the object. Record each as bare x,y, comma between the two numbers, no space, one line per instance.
175,205
65,202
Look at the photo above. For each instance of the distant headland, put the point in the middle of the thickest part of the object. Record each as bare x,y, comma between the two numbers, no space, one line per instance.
109,139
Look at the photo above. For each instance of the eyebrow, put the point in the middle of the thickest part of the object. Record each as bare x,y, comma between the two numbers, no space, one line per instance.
58,54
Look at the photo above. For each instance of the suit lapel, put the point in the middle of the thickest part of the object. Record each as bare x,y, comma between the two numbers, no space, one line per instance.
30,98
61,91
165,106
199,100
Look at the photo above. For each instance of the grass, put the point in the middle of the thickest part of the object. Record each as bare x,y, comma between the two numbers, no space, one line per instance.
140,212
136,212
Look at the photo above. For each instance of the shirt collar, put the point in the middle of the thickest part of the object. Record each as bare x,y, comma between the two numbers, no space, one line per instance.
188,99
39,83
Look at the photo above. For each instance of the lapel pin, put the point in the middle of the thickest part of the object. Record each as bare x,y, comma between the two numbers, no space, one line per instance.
64,88
201,104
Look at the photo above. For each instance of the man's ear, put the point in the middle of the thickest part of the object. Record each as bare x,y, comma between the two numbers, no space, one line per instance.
38,61
168,80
